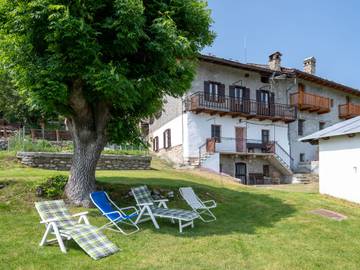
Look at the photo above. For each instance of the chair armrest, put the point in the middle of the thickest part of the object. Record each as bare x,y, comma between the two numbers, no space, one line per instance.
80,214
112,212
51,220
145,204
161,200
210,201
128,208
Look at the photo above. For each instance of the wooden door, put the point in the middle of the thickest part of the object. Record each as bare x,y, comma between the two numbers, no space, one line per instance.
240,139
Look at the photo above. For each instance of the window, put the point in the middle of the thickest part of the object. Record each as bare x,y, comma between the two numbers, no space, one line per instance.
321,125
238,92
301,127
302,157
156,144
264,79
266,170
216,132
167,138
264,97
214,91
331,103
265,135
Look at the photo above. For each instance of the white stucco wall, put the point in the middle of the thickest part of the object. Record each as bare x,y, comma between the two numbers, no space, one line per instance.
339,168
198,129
212,162
175,126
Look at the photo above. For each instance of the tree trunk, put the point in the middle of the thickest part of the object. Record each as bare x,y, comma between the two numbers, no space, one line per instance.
82,175
88,129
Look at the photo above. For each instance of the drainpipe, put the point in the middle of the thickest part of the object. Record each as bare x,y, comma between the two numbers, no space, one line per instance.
288,102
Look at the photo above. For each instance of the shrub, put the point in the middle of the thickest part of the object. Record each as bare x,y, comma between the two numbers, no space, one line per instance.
53,187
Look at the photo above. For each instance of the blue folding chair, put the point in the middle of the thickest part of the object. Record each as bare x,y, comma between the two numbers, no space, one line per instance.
113,213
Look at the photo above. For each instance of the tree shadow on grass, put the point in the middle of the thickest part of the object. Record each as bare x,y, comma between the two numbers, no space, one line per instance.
238,211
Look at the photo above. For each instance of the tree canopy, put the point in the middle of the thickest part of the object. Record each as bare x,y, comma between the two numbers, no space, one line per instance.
102,64
126,54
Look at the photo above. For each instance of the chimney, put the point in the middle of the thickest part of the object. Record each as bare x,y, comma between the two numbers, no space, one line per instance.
275,61
310,65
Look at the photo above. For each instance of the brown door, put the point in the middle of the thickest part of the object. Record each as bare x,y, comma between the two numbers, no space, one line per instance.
240,139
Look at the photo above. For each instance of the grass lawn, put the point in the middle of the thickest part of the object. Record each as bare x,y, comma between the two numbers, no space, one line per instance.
257,228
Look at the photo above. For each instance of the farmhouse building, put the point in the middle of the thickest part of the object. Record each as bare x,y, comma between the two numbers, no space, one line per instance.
245,120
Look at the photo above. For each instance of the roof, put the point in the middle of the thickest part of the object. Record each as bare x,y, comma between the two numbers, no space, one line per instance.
347,127
290,72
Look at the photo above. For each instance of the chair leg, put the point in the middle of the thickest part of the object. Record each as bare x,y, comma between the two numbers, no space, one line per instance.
209,213
140,215
43,240
59,239
142,212
154,220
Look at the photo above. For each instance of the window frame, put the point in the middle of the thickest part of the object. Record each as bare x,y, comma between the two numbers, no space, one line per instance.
167,138
301,127
217,138
155,142
266,172
265,133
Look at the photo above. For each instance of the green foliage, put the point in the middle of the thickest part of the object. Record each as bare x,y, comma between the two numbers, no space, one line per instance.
13,107
21,143
135,152
127,54
53,187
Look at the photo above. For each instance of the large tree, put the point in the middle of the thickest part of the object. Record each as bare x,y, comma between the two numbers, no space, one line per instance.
103,64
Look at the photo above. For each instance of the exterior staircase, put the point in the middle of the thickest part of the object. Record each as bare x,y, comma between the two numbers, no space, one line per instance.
280,164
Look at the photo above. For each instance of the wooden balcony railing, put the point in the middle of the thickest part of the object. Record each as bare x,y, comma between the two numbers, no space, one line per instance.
310,102
349,110
225,105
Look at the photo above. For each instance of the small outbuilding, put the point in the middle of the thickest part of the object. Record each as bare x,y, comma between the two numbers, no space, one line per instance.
339,159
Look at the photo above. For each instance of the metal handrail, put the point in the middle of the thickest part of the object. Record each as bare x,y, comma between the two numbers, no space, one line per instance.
249,146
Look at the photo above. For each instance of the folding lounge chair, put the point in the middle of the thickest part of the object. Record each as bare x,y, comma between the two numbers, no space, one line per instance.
158,208
113,213
199,206
59,222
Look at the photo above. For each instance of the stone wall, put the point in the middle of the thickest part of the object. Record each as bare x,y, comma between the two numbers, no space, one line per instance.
3,144
62,161
173,154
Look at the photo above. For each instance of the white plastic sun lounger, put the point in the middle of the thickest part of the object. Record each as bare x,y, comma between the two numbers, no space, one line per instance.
199,206
150,209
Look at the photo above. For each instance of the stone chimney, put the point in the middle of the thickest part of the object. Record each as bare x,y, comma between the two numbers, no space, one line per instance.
310,65
275,61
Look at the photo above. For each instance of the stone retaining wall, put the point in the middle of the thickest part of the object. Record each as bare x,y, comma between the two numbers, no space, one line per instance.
3,144
62,161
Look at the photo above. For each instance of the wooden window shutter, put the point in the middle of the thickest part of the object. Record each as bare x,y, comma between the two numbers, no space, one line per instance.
221,92
232,91
206,90
258,95
272,103
246,93
169,137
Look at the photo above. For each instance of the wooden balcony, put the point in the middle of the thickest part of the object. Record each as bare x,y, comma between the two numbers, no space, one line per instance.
349,110
235,107
310,102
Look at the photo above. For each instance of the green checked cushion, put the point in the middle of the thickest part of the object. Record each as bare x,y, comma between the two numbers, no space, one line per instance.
55,209
142,195
92,241
174,213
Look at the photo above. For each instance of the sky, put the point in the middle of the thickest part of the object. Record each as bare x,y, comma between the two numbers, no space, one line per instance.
329,30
